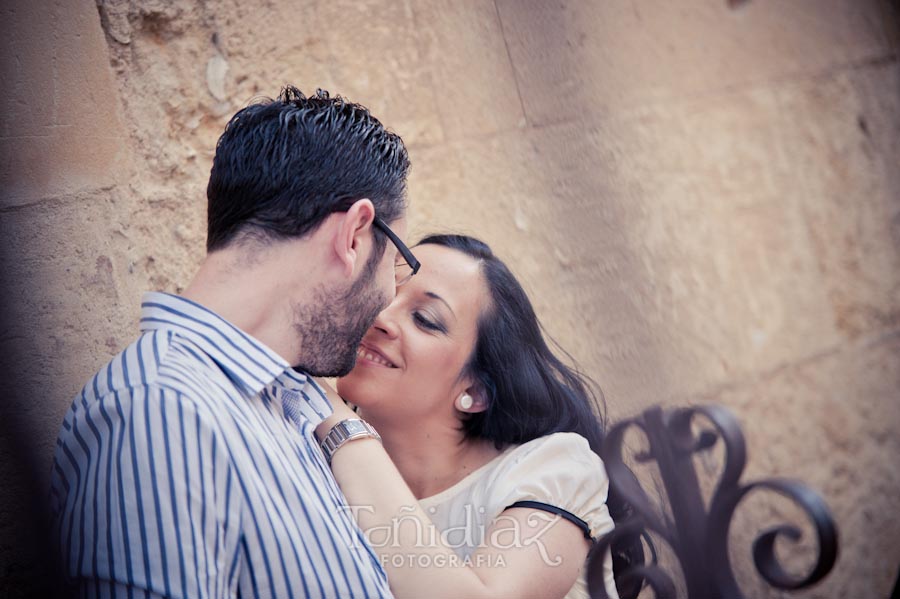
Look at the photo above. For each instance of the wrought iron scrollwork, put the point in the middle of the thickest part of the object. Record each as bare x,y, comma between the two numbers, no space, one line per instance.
699,536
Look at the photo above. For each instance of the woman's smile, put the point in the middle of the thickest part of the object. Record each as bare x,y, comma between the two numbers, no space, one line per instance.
367,355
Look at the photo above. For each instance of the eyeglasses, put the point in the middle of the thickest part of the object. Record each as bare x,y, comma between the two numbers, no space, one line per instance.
409,266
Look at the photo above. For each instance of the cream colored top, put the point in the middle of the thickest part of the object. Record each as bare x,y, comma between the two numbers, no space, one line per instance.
559,469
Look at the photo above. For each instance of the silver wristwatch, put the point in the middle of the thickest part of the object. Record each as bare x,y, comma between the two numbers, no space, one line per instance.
344,431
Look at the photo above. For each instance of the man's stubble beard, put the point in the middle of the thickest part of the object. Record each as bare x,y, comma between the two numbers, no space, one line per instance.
331,327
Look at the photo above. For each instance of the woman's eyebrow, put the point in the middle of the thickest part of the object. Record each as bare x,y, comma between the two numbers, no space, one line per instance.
439,298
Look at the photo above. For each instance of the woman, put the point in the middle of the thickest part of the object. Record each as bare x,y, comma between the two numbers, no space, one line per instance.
494,438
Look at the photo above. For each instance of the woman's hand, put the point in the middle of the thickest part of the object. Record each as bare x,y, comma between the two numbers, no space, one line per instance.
341,410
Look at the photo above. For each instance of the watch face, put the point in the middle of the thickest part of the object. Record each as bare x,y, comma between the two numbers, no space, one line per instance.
354,426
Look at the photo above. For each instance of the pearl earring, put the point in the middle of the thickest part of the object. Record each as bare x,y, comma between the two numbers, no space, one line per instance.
465,401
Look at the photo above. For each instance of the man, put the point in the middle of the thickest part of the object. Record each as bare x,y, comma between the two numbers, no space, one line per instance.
187,467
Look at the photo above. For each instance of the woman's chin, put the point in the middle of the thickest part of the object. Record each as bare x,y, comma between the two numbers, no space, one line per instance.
353,387
344,386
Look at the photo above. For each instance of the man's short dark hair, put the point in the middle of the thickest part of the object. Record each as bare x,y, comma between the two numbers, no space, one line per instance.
282,166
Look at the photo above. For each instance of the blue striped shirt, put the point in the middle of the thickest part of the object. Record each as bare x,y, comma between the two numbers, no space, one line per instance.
187,467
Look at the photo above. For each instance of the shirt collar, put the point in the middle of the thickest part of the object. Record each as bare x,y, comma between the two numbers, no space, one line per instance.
247,361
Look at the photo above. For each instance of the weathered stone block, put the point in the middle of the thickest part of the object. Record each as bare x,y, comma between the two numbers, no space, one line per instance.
832,423
573,58
61,130
367,51
842,133
473,81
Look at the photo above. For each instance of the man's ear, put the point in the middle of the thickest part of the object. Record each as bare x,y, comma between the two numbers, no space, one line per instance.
353,235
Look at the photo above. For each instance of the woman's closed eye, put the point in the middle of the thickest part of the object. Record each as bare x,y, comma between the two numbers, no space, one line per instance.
428,323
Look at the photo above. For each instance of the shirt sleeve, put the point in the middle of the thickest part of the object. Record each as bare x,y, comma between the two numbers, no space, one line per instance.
559,470
144,497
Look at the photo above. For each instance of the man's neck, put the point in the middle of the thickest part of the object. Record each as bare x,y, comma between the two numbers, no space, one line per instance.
257,294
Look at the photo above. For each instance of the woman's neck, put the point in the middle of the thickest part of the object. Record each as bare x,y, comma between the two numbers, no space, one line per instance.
431,457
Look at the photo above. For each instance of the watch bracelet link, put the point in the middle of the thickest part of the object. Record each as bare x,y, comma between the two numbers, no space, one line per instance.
345,431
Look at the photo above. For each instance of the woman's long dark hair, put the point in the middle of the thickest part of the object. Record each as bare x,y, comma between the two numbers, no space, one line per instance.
531,393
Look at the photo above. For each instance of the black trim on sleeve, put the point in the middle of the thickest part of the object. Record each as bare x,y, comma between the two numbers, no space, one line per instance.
546,507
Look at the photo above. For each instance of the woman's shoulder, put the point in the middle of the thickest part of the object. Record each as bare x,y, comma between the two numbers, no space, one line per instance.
559,469
557,460
558,448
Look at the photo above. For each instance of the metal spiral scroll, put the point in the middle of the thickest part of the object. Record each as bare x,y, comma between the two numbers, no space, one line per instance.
699,538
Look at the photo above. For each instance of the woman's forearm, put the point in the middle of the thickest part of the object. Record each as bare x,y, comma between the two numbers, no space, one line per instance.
410,547
413,551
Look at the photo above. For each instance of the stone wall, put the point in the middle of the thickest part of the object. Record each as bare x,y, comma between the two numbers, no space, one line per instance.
703,202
